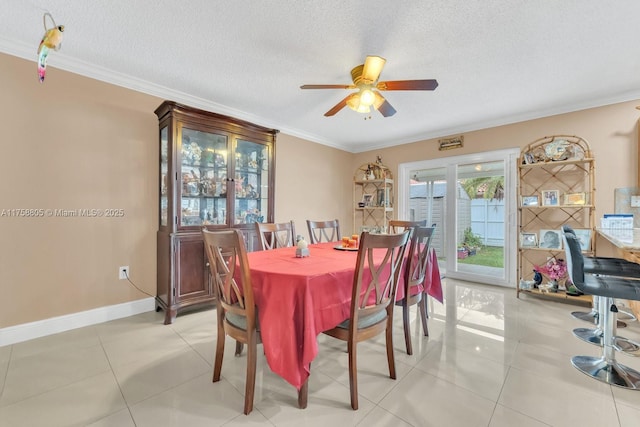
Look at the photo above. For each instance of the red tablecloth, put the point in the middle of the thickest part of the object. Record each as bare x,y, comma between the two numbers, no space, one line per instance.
298,298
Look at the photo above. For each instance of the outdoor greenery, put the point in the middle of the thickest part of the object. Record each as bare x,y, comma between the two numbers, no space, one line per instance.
490,256
492,187
471,240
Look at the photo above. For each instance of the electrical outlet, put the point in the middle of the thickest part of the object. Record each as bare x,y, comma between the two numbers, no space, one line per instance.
123,272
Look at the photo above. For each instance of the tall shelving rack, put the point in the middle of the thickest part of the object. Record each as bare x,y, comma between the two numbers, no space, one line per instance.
556,187
372,198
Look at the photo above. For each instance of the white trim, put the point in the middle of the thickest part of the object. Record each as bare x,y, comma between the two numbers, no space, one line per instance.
54,325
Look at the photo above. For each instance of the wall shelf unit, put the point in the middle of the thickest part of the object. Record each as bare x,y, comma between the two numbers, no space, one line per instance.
372,198
556,176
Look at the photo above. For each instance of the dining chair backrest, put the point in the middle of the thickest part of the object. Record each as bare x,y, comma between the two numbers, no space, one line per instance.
375,283
417,260
276,235
226,252
575,259
324,231
398,226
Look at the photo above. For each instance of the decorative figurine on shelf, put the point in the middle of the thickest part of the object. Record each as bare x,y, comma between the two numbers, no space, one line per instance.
251,193
302,249
537,278
52,39
219,160
370,174
240,186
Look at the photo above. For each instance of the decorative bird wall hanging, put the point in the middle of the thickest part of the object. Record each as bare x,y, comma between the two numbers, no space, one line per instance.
52,39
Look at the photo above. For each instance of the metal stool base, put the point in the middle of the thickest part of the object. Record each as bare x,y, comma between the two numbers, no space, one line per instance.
587,316
611,372
626,346
622,344
593,318
592,336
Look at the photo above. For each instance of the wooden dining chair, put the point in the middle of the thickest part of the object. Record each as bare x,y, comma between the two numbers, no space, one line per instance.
236,309
324,231
373,292
276,235
398,226
413,281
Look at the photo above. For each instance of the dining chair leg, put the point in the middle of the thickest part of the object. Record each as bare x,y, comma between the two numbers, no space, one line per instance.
424,313
250,385
239,348
303,394
217,366
389,340
407,327
353,373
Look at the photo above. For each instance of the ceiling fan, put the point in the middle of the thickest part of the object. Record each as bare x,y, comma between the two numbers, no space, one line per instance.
365,79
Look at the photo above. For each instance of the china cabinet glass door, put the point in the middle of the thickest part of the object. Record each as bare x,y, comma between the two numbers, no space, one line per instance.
251,182
203,160
164,172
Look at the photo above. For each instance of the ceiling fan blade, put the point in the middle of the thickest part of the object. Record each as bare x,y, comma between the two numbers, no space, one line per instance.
383,106
327,87
372,68
430,84
339,106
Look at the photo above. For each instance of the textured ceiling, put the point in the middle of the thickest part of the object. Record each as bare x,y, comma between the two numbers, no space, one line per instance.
497,61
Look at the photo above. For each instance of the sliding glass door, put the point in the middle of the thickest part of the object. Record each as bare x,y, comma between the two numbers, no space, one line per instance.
471,200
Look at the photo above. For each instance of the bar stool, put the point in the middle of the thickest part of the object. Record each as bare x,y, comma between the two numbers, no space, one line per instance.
604,368
607,267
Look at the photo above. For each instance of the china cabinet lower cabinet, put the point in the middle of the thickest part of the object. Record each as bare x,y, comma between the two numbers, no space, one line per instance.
215,172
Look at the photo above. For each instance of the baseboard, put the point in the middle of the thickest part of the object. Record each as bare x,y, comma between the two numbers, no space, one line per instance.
41,328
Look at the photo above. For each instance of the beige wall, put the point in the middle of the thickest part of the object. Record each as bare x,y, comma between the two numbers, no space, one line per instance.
313,182
75,142
611,131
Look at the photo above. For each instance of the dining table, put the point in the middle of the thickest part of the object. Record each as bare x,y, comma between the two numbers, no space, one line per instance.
297,298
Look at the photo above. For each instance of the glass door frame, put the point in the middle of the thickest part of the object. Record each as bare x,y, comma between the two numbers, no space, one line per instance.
510,158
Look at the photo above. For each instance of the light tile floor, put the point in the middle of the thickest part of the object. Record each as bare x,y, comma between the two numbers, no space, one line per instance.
490,360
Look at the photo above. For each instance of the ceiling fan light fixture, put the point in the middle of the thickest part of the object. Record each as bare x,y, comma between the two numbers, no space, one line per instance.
367,97
356,104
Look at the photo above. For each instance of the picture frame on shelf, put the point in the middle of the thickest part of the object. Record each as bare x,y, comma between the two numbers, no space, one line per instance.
530,200
575,198
528,240
584,237
529,158
550,239
550,197
367,199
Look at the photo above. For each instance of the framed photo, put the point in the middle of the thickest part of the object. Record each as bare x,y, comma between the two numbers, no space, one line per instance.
528,240
575,198
584,237
550,239
550,197
367,199
529,158
530,200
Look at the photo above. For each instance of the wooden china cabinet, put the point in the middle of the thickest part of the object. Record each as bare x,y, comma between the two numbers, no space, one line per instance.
215,172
